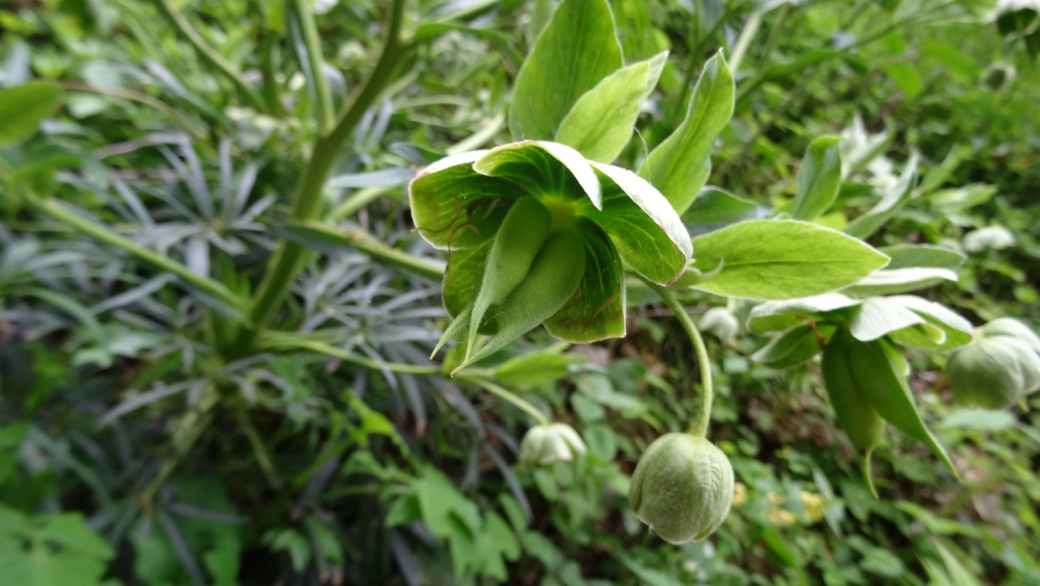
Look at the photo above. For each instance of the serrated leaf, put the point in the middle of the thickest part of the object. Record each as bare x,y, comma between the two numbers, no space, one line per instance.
575,51
601,122
680,165
770,259
818,178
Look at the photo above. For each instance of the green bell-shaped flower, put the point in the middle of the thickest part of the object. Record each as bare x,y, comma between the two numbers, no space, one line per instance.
999,368
553,442
535,234
682,487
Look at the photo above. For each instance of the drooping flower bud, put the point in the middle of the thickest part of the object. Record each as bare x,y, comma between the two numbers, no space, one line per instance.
996,370
721,322
555,442
682,487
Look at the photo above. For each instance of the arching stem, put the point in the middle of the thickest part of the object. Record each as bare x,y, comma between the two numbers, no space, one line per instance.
508,396
699,427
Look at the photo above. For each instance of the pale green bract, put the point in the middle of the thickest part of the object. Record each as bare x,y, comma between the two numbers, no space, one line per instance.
460,203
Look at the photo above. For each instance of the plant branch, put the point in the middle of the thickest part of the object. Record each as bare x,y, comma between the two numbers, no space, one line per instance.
323,109
273,340
700,424
287,260
209,54
507,396
139,97
208,286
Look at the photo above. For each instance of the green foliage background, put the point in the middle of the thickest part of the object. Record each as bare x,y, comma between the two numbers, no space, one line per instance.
131,453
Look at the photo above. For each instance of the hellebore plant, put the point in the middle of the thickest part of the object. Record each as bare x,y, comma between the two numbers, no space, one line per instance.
999,368
535,234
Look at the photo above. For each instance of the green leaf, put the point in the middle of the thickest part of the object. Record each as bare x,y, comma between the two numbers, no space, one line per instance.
887,282
680,165
791,348
780,315
23,107
906,256
601,123
818,178
771,259
906,78
598,312
979,419
878,316
865,225
716,208
536,369
576,50
957,329
642,225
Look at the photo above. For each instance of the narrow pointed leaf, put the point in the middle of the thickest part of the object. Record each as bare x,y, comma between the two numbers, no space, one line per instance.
575,51
818,178
600,124
877,317
680,165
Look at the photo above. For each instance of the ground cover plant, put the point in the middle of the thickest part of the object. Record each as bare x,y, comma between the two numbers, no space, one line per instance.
563,293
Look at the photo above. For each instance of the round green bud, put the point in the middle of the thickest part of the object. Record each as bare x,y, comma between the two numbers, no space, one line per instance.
555,442
682,487
993,372
1011,328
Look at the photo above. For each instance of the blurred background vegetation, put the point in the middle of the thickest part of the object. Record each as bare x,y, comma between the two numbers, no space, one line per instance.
129,454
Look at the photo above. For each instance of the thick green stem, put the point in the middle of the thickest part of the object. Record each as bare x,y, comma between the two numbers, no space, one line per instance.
212,288
323,109
287,260
273,340
209,54
700,423
506,395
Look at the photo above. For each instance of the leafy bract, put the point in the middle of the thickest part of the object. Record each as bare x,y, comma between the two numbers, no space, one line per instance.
680,165
770,259
642,225
575,51
598,311
818,178
601,122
